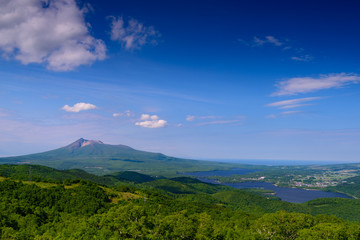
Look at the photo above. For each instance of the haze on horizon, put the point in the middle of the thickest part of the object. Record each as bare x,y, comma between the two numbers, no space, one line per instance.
195,79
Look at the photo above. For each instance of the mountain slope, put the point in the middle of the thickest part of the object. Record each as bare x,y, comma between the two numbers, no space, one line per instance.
92,149
96,157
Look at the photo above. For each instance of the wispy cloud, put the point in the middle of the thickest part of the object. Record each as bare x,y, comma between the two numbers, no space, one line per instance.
267,40
151,121
271,116
273,40
283,44
126,113
191,118
293,103
55,34
294,86
305,58
291,112
133,34
79,107
211,119
286,113
219,122
295,106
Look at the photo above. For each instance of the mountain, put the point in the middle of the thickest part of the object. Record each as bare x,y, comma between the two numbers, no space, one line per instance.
96,157
82,143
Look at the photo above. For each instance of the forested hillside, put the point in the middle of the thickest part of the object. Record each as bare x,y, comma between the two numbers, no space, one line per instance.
87,211
178,208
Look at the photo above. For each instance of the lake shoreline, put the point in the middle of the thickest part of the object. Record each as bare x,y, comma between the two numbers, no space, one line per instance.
288,194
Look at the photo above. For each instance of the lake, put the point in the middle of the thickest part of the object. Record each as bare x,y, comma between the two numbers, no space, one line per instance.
294,195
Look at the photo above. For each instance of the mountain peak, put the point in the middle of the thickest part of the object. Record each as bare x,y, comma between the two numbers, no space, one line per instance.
82,143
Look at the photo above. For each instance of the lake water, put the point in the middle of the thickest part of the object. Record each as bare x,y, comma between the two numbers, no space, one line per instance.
294,195
222,173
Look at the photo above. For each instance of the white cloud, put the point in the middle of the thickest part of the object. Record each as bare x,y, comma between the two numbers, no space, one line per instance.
117,114
79,107
151,121
144,116
49,32
292,103
126,113
148,117
190,118
134,34
295,86
305,58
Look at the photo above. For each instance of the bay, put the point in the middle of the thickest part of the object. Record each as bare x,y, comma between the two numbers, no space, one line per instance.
294,195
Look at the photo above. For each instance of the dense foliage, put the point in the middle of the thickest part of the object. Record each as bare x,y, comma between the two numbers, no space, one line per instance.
85,211
351,187
177,208
39,173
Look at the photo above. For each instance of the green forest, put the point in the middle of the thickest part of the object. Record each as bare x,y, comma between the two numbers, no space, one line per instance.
130,205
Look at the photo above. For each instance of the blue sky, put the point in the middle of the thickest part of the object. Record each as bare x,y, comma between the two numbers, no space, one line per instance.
275,80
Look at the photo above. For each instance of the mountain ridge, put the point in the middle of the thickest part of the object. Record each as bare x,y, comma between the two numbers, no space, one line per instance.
82,143
96,157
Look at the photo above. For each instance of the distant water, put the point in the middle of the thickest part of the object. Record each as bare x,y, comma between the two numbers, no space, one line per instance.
222,173
275,162
294,195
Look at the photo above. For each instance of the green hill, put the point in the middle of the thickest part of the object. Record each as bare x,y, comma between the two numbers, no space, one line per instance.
99,158
37,173
350,187
184,189
134,177
88,211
